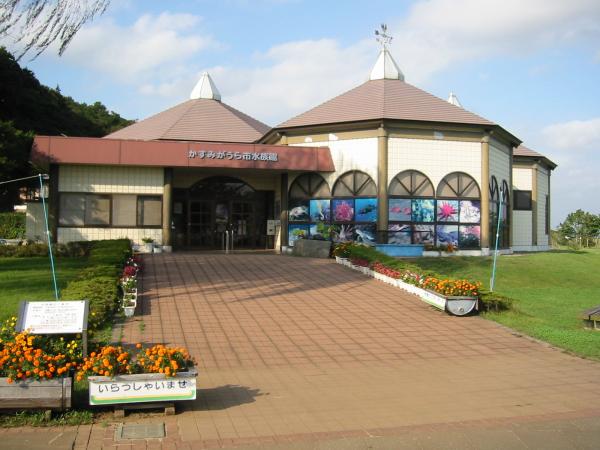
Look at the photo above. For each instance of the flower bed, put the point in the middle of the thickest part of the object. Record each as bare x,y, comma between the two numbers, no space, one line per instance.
456,296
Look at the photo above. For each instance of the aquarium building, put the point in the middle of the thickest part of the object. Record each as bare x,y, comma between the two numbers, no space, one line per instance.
384,162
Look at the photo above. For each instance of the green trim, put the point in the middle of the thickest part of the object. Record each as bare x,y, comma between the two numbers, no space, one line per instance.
150,398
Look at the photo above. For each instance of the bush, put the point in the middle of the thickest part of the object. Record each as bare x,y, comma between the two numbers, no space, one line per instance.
102,294
114,252
12,225
492,302
23,251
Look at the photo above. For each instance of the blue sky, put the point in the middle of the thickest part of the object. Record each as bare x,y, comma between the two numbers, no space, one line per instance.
533,67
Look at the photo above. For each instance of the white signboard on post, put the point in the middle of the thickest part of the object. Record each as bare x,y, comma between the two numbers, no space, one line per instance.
53,317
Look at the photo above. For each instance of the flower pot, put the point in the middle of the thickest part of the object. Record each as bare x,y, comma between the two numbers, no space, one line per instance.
340,260
158,249
461,306
53,394
129,311
148,247
143,388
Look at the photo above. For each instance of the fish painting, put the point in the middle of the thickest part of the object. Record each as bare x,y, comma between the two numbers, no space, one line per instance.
364,236
366,209
400,209
299,214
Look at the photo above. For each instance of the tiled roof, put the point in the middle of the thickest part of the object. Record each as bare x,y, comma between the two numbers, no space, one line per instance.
196,120
385,99
521,150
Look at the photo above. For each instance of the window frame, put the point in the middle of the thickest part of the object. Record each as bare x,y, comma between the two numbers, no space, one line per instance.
110,224
516,206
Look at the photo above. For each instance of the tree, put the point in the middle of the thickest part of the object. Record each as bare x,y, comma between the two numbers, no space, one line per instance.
38,23
580,227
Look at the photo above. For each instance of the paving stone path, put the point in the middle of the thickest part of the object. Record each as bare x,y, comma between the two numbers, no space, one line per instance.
304,353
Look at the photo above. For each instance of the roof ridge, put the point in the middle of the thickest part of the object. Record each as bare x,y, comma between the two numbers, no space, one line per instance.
241,115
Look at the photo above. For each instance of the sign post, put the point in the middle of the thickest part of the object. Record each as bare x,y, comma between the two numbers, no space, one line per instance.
57,317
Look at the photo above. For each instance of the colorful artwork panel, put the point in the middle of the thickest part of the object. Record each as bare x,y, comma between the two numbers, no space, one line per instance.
400,209
470,211
447,210
319,211
469,236
424,234
342,233
343,210
366,209
447,234
366,234
400,237
299,211
423,210
297,232
321,230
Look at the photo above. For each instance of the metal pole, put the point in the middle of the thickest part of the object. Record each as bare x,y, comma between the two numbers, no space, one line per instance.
56,293
493,279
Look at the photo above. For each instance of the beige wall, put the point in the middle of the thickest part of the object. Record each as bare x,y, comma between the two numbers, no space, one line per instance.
522,179
499,162
92,234
542,191
110,179
522,230
435,158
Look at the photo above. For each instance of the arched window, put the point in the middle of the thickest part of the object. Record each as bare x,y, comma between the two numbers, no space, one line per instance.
458,211
309,185
221,187
411,209
354,184
458,185
411,183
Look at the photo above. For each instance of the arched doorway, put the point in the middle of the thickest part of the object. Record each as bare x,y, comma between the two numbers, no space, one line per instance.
219,204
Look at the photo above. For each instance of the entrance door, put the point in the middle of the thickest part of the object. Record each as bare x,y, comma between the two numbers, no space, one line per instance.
242,224
200,224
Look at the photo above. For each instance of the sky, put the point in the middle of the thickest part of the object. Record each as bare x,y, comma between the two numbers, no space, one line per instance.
532,66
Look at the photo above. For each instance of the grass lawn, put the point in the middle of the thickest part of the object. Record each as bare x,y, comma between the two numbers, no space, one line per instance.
549,289
31,279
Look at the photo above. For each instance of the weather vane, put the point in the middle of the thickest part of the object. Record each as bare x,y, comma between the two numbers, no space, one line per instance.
382,37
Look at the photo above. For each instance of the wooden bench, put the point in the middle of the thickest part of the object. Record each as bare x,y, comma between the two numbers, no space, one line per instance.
591,317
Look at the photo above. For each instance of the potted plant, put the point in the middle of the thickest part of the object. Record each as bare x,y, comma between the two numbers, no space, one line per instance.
155,374
460,296
341,252
148,244
129,304
34,376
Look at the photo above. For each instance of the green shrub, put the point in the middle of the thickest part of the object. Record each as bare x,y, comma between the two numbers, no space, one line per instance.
101,292
25,251
114,252
12,225
493,302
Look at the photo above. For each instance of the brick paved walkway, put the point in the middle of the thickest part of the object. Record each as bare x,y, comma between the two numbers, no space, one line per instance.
305,350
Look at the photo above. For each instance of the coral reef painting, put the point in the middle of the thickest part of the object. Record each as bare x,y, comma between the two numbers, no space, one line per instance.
299,211
423,210
321,230
342,233
343,210
447,210
470,211
296,232
469,236
447,234
366,209
365,234
400,209
424,234
319,210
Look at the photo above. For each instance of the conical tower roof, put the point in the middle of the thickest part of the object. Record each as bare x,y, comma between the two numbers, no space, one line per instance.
202,118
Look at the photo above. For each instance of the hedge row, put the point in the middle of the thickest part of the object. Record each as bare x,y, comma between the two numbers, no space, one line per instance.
12,225
98,283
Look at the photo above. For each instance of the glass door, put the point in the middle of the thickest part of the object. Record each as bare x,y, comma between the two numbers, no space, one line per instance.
242,223
200,225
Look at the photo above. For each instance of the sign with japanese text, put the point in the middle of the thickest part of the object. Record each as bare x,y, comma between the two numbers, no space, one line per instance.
239,156
53,317
141,388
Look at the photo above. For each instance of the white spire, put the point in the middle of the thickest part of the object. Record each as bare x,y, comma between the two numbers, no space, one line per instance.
453,100
205,88
386,68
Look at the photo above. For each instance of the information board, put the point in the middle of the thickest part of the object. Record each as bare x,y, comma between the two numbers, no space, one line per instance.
53,317
272,226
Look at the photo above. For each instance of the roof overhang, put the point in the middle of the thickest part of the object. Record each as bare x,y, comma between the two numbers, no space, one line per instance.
535,159
115,152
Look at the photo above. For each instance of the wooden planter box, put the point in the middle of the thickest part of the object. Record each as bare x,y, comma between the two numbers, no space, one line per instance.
143,388
32,394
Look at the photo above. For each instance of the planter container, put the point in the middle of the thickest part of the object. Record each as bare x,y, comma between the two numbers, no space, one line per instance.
401,250
53,394
312,248
158,249
461,306
143,388
148,247
129,310
340,260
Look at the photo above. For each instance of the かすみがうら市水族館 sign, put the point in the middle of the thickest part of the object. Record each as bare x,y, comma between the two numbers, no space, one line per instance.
238,156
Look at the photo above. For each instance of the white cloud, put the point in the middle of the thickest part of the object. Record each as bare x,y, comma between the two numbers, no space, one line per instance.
576,135
152,46
439,33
